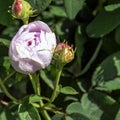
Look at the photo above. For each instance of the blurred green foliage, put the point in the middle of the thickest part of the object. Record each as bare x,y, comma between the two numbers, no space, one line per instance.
91,82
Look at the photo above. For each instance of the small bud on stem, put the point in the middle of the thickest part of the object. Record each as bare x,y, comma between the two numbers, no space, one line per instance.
63,54
21,9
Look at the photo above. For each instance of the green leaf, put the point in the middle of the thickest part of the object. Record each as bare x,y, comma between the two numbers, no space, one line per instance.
94,106
106,103
103,23
73,7
112,7
34,98
28,112
107,75
57,11
6,63
68,90
58,117
4,42
70,98
76,116
68,118
89,107
118,115
74,107
39,5
77,110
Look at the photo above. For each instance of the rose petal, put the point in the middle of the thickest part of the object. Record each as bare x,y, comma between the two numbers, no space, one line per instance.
37,26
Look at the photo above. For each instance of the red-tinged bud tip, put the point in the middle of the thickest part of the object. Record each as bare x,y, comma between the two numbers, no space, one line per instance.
63,54
17,8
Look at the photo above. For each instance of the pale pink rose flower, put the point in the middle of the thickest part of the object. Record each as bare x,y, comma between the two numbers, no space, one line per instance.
32,47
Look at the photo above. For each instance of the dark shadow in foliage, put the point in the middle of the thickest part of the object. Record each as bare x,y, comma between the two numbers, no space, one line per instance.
69,28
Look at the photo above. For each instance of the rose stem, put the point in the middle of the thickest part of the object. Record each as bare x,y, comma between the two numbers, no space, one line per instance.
54,94
6,91
36,86
33,83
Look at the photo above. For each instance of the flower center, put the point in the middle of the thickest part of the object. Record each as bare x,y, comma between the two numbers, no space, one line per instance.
34,41
29,43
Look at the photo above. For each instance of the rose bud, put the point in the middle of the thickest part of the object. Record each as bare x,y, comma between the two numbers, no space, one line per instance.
63,54
32,47
21,9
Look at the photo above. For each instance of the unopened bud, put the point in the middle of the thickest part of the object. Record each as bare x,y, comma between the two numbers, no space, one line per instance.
17,8
21,9
63,54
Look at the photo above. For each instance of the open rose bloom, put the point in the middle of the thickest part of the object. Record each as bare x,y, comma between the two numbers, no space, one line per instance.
32,47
